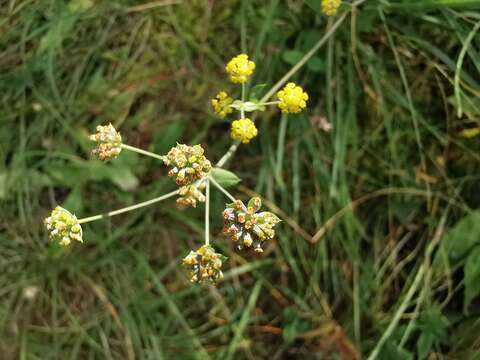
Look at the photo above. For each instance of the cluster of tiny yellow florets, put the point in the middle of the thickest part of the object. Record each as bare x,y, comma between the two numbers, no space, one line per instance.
191,194
205,265
330,7
243,130
246,226
221,104
108,141
63,227
189,163
292,99
240,69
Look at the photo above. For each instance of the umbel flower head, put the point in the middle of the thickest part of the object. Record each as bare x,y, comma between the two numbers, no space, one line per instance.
108,141
240,68
243,130
248,227
292,99
205,265
191,194
63,226
189,163
330,7
221,104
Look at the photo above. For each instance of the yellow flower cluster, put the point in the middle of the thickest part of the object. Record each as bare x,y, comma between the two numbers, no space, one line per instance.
63,226
243,130
205,265
221,104
240,68
109,142
292,99
330,7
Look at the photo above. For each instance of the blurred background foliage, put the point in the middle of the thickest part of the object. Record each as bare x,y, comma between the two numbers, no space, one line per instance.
377,183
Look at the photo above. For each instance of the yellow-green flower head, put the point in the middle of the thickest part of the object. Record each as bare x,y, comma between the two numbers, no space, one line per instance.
330,7
221,104
190,195
246,226
292,99
108,141
63,227
189,163
240,68
243,130
205,265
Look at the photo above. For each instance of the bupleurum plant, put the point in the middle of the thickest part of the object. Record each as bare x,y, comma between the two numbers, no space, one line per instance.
244,224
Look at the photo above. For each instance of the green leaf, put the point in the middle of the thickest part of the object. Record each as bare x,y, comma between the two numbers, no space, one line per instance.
460,239
224,177
256,91
424,345
292,57
316,64
472,276
392,351
165,138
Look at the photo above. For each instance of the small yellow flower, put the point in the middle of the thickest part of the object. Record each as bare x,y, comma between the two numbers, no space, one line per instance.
240,68
330,7
243,130
221,104
63,226
292,99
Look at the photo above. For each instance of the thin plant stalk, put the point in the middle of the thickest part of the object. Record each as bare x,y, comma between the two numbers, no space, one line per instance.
128,208
222,189
207,213
141,151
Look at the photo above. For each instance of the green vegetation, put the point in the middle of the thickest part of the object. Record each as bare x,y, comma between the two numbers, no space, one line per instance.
378,254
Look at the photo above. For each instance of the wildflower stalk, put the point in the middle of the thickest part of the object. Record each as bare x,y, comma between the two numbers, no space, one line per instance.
222,189
207,212
242,110
140,151
128,208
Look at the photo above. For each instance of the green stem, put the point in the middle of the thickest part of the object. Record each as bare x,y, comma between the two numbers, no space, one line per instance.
222,189
140,151
128,208
207,213
242,111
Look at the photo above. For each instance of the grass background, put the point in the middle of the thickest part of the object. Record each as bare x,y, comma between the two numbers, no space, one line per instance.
378,248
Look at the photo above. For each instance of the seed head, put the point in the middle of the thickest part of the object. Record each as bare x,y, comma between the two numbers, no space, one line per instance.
292,99
246,226
63,227
240,68
108,141
204,265
188,162
190,195
243,130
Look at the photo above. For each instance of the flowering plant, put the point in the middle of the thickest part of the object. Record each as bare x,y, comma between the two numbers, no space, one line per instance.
194,174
